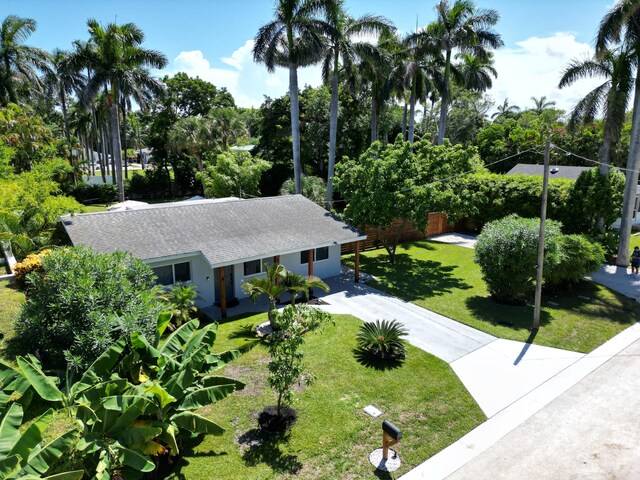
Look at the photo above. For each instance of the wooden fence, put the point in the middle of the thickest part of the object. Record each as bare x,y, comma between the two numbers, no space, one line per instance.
437,224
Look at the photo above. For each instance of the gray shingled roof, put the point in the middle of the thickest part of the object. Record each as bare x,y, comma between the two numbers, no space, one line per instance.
224,232
564,171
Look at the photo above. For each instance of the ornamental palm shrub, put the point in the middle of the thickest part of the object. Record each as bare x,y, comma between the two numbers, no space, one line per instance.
507,254
382,339
81,302
579,257
181,299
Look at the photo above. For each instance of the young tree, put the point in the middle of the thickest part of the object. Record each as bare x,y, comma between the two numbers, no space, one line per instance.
398,182
294,39
286,367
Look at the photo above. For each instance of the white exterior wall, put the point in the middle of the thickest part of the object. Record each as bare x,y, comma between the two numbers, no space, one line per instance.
201,276
323,269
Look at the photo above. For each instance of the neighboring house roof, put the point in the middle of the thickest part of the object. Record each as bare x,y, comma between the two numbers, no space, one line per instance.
225,232
557,171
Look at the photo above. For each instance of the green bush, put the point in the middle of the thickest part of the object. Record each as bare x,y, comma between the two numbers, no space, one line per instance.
82,301
577,205
507,254
579,257
90,193
382,339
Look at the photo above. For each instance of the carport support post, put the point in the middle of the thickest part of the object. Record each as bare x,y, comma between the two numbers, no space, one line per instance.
356,277
223,293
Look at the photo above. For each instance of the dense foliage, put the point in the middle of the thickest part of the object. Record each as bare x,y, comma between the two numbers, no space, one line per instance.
233,174
404,181
81,302
507,254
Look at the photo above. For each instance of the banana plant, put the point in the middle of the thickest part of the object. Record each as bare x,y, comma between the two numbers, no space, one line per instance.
178,374
22,454
13,388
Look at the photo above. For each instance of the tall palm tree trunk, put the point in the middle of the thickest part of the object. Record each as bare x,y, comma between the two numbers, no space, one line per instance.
412,116
374,118
295,125
333,131
67,135
124,139
444,102
404,122
116,146
631,184
105,149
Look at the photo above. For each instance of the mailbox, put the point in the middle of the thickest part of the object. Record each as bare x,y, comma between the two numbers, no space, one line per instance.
391,435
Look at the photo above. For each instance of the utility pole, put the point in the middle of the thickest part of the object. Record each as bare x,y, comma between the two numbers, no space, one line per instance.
543,218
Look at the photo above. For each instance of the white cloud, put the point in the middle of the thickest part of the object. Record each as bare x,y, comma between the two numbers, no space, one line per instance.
247,81
534,67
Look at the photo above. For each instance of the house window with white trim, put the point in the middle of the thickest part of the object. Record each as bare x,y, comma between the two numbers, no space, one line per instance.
319,254
174,273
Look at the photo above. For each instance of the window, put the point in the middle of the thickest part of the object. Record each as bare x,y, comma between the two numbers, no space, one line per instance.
304,257
318,255
267,262
322,253
252,267
182,272
170,274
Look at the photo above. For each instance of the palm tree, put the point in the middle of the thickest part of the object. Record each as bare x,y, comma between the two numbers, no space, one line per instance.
18,62
194,135
295,38
64,78
270,286
476,71
541,104
459,26
295,284
341,49
622,23
611,96
505,110
118,63
375,69
228,126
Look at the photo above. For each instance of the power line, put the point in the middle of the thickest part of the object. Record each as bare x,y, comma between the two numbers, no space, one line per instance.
592,161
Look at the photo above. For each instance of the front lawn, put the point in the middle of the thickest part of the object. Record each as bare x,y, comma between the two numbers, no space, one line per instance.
332,437
10,302
444,278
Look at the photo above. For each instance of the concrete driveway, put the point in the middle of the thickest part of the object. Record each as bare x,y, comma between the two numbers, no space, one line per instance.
496,372
618,279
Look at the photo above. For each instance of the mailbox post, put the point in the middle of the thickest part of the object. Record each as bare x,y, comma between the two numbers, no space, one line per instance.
391,435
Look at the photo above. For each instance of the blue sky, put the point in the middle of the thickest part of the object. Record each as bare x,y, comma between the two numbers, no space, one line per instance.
212,38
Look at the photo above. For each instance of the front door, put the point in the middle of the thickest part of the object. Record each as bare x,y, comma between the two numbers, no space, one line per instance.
228,283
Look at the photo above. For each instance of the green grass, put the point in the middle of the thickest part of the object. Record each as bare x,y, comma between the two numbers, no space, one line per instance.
96,207
10,302
332,437
444,278
635,241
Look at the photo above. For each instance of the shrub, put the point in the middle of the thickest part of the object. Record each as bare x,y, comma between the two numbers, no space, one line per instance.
382,339
181,299
507,254
89,193
33,263
82,301
579,257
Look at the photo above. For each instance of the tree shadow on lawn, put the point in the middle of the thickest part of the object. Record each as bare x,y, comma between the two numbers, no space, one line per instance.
413,279
187,451
265,448
247,332
516,317
368,360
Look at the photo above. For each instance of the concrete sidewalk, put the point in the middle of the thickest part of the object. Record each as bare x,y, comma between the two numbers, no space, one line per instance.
618,279
588,432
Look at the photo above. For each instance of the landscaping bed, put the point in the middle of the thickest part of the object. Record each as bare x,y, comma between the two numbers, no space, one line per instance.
445,279
332,436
